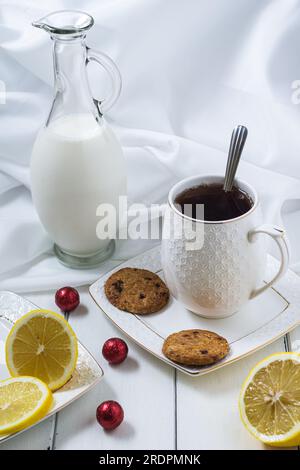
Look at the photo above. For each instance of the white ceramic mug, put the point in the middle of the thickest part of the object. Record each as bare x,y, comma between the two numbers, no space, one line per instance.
216,280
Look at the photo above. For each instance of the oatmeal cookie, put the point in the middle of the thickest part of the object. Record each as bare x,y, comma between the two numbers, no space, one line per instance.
195,347
137,291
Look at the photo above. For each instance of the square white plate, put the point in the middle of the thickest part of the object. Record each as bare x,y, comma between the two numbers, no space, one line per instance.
87,372
261,321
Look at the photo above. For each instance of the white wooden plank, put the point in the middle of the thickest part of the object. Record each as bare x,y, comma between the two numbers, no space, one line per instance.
295,340
143,385
207,407
37,438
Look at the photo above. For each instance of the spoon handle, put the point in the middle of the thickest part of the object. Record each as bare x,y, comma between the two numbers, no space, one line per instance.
238,139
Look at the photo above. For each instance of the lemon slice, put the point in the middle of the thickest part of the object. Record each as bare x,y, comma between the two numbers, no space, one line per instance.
270,400
23,402
43,345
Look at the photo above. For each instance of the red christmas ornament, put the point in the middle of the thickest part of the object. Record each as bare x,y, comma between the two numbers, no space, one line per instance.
110,414
67,299
115,350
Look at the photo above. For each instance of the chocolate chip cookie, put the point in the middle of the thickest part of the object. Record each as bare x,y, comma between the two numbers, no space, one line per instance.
195,347
137,291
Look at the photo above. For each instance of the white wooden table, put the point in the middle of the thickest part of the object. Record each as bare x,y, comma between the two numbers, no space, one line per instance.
164,409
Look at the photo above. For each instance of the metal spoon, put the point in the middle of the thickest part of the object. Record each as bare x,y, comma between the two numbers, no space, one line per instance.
238,139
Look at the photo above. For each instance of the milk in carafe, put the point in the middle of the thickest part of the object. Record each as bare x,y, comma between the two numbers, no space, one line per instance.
76,165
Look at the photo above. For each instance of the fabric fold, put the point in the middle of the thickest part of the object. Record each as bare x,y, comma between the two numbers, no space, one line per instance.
191,72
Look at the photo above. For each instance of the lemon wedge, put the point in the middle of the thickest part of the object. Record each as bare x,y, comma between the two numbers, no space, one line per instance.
23,402
270,400
42,344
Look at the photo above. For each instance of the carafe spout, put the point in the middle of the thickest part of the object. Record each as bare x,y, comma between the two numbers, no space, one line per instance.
38,24
65,22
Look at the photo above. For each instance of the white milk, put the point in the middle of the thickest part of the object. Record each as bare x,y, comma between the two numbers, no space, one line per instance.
76,165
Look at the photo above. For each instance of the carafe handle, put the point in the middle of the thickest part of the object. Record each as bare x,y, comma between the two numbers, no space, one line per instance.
108,64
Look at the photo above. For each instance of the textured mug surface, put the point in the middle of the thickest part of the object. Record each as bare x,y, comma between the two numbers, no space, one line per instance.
216,279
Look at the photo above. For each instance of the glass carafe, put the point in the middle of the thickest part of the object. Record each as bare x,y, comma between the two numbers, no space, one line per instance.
77,164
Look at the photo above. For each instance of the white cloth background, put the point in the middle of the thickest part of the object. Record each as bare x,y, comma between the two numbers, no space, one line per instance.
191,71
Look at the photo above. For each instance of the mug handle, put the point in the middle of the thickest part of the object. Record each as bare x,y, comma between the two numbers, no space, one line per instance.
278,234
110,67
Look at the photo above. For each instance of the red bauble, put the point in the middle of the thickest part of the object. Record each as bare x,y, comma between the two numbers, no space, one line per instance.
67,299
115,350
110,414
